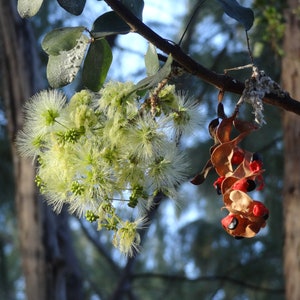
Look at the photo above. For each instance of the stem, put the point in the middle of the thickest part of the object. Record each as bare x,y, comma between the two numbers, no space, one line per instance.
249,48
220,81
123,287
190,21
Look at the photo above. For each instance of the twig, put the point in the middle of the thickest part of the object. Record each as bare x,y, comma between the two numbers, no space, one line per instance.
249,48
124,284
96,243
238,68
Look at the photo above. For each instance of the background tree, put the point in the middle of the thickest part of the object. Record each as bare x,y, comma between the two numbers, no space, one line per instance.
290,77
48,261
19,81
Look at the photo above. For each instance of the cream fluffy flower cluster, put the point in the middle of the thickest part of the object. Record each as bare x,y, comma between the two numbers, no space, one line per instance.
100,151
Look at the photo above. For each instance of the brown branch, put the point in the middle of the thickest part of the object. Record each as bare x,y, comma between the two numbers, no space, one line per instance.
232,280
123,287
99,247
220,81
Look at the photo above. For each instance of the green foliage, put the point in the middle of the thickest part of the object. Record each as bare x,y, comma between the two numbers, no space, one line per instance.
73,7
156,78
243,15
66,47
270,20
108,24
135,6
275,28
96,64
151,61
65,58
61,39
28,8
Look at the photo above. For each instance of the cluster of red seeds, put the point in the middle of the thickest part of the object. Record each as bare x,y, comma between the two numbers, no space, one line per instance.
240,172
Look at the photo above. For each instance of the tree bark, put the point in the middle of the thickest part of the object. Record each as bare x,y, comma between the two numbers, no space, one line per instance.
48,260
291,124
19,81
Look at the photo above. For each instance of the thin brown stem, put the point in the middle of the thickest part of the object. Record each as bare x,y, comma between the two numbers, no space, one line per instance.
249,48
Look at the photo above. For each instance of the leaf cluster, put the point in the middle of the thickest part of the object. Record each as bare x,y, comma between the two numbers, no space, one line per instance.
270,21
67,47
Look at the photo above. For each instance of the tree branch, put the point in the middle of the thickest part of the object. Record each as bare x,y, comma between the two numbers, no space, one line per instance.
124,285
220,81
181,278
97,244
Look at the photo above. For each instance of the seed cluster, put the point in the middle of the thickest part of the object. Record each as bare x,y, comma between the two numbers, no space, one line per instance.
240,172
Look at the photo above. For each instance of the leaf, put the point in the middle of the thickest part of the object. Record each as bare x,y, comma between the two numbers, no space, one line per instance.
73,7
243,15
62,68
151,60
153,80
135,6
111,23
61,39
97,64
29,8
108,24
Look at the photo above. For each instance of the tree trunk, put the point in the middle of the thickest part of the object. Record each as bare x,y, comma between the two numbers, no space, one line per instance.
291,123
19,81
48,261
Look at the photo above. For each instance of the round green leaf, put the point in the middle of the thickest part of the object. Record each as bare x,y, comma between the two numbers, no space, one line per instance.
155,79
151,60
28,8
135,6
61,39
242,14
62,68
107,24
73,7
96,64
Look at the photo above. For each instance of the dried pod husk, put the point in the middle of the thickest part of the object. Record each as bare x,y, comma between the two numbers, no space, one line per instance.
239,171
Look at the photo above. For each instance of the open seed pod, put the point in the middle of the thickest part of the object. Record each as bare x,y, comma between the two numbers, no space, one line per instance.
240,172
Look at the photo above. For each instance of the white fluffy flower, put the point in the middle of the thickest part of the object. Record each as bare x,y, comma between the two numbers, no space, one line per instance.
43,110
